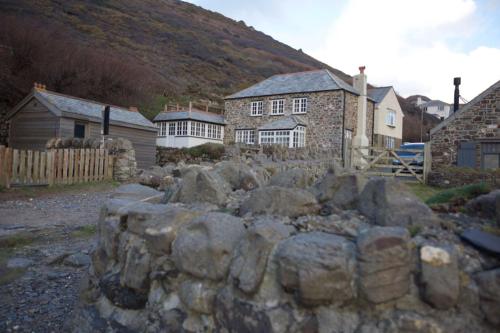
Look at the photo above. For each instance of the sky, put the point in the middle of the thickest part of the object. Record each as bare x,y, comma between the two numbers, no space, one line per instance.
417,46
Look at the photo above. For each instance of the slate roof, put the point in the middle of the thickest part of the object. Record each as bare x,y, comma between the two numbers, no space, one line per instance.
208,117
301,82
435,102
284,123
378,94
64,105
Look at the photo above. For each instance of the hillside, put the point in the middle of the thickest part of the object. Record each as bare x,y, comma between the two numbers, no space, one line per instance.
412,122
192,50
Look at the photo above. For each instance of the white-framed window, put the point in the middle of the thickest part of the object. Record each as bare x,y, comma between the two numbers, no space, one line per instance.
209,131
390,142
162,129
257,108
218,132
192,131
441,107
293,139
171,128
245,136
182,128
299,137
277,106
300,105
203,130
390,118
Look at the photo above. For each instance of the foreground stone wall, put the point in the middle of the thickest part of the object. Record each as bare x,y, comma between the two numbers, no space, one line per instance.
231,248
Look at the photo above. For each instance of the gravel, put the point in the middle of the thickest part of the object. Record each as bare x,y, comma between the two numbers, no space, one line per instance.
44,293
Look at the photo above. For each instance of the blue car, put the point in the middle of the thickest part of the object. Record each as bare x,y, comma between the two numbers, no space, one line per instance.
410,157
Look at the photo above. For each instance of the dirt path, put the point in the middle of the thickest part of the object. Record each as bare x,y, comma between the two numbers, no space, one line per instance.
45,239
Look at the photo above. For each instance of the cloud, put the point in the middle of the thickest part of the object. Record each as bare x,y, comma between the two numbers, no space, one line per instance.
417,46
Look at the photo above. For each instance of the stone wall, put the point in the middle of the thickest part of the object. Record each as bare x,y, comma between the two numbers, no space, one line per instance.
454,176
479,121
324,116
231,250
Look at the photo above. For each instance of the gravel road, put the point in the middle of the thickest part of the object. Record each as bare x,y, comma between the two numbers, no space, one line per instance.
44,247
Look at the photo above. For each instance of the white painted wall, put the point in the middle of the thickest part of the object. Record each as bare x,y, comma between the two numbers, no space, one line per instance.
183,141
445,113
390,102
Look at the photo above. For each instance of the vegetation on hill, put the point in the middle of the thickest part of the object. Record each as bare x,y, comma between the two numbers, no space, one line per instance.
413,124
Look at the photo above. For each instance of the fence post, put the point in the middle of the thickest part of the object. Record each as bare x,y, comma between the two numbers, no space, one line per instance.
427,160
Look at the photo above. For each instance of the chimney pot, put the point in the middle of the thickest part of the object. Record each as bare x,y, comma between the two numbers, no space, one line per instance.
362,69
133,109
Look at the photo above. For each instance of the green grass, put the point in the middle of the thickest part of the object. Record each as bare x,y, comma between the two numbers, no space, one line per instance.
422,191
85,231
16,240
466,192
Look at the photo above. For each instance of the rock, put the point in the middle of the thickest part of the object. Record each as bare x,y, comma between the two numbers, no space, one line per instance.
280,201
384,263
388,203
238,175
204,247
440,276
137,192
317,267
136,266
411,322
158,224
19,263
486,205
341,191
121,296
292,178
251,255
489,294
77,260
332,320
198,185
197,296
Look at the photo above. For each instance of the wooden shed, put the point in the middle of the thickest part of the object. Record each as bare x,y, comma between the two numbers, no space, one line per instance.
44,114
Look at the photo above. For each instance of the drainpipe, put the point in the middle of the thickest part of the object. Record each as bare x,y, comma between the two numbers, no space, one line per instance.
343,129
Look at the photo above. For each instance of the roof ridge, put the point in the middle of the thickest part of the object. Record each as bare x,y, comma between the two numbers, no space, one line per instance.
293,73
381,87
335,79
82,99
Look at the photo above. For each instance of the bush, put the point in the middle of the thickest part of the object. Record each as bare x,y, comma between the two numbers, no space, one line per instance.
211,151
466,192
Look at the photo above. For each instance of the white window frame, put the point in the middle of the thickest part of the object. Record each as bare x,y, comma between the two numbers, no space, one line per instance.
171,128
299,105
257,108
390,118
162,126
182,128
246,136
295,138
390,142
277,106
299,137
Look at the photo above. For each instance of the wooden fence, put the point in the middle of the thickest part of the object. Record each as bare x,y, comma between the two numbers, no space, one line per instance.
386,162
55,166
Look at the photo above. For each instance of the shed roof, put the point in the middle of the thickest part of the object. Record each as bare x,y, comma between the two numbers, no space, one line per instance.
65,105
289,122
301,82
208,117
466,107
378,94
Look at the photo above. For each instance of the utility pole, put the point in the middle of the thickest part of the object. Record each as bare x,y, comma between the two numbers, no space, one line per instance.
421,124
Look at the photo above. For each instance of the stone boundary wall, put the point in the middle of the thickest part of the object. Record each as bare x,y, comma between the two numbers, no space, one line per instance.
454,176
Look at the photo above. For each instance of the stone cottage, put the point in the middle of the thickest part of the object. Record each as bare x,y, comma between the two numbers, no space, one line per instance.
471,136
388,123
305,109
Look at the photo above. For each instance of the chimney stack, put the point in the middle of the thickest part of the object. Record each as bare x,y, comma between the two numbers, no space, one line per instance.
456,82
39,86
133,109
190,106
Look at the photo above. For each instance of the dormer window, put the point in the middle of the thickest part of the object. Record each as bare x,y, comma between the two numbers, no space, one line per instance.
257,108
300,105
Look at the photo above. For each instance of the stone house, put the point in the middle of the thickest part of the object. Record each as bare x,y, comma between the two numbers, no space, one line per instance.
184,128
388,122
305,109
470,137
45,114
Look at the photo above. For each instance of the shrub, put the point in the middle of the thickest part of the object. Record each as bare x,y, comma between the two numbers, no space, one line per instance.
212,151
466,192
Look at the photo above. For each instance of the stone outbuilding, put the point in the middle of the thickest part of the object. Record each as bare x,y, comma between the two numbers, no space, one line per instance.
470,137
304,109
